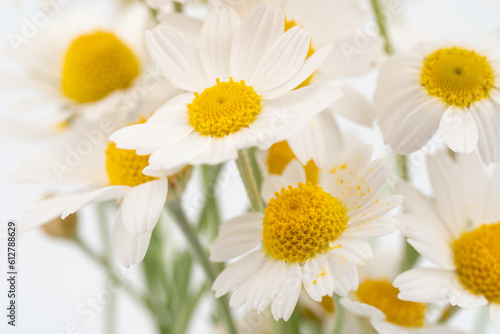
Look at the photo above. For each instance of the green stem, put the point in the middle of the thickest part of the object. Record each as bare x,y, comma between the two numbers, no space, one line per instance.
105,265
178,7
180,217
382,25
339,316
248,175
402,167
448,313
210,218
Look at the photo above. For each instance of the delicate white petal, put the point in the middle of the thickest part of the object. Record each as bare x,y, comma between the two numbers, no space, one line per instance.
362,309
375,208
178,58
345,275
187,26
495,316
382,326
143,204
458,130
354,106
486,115
238,273
216,40
431,285
292,175
130,247
96,196
353,251
266,284
284,302
259,30
370,229
317,277
237,236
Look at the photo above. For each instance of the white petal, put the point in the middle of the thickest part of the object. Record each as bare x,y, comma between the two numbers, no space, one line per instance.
187,26
352,105
283,304
217,38
344,274
371,229
495,316
238,273
266,285
130,247
458,130
143,204
292,175
353,251
259,30
44,211
431,285
96,196
178,58
487,118
382,326
362,309
317,278
237,236
375,208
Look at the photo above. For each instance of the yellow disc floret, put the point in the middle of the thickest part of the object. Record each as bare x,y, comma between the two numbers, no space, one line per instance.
289,24
384,296
301,222
280,155
224,108
457,76
95,65
477,258
125,167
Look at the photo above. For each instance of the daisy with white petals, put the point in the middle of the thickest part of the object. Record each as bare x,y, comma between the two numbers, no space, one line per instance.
377,299
447,87
309,235
459,232
241,89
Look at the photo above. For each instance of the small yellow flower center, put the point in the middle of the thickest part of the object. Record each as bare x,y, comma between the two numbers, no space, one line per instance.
95,65
280,155
457,76
301,222
289,24
224,108
477,258
384,296
125,167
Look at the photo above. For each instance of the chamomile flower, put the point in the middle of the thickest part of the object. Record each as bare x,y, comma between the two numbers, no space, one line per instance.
85,64
447,87
342,23
241,89
377,299
114,174
459,232
309,235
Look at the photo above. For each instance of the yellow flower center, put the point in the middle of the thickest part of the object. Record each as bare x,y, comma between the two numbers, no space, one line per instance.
224,108
457,76
95,65
477,258
289,24
280,155
384,296
125,167
301,222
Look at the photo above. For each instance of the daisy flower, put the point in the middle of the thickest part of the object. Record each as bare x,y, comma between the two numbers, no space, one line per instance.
377,299
309,235
459,232
447,87
342,23
85,65
241,89
115,174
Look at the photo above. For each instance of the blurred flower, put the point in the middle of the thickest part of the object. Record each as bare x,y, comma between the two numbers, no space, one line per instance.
458,232
311,235
449,87
241,83
61,228
354,52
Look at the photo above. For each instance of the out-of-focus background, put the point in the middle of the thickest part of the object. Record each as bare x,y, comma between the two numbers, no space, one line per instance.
59,289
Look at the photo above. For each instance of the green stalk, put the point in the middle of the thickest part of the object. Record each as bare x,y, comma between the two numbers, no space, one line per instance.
248,175
210,218
180,218
448,313
382,26
339,316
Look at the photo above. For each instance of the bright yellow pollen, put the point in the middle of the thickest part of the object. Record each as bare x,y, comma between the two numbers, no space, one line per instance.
289,24
95,65
477,258
224,108
125,167
382,295
457,76
301,222
280,155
